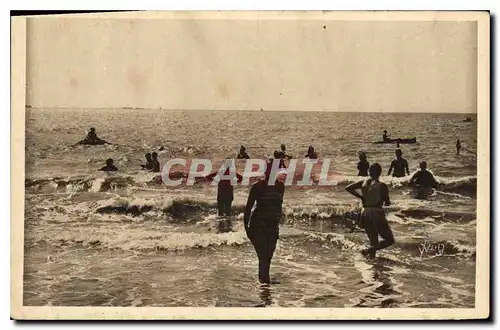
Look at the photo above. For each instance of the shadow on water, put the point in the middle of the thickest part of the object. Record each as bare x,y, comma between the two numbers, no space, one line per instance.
224,226
381,292
265,294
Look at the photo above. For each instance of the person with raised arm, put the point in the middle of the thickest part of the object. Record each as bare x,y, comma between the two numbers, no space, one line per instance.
374,196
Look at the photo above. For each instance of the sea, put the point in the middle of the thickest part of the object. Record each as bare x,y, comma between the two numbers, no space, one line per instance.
126,239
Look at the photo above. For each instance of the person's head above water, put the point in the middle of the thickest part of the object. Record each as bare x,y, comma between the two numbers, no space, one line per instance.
109,162
283,147
276,153
242,148
385,131
310,149
148,156
399,153
154,155
375,170
362,156
92,129
423,165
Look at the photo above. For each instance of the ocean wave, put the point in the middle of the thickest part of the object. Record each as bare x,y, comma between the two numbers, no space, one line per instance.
465,186
141,240
156,239
92,183
193,208
423,213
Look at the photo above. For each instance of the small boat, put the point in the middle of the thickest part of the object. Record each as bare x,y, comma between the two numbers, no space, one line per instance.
467,120
93,143
400,141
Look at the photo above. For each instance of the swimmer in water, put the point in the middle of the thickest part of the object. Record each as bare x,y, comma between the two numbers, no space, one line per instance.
374,195
110,167
424,180
459,146
400,165
363,165
149,163
243,153
155,162
311,154
262,225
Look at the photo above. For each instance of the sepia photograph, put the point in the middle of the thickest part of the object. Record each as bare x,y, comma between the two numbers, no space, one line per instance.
251,165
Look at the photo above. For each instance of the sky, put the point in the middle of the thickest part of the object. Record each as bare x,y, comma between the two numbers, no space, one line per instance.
222,64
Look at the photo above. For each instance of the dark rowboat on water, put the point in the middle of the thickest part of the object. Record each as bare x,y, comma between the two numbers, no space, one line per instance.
93,142
401,141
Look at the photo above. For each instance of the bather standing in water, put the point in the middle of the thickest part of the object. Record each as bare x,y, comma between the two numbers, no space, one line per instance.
262,225
277,155
363,165
156,162
311,154
399,165
283,154
225,193
459,146
374,195
424,180
243,153
149,163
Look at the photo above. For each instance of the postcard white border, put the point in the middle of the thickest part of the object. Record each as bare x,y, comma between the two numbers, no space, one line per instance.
481,310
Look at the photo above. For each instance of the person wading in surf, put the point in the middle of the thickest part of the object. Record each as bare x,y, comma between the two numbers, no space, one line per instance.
400,165
277,155
311,154
363,165
283,153
243,153
374,195
262,225
149,163
424,180
155,162
225,193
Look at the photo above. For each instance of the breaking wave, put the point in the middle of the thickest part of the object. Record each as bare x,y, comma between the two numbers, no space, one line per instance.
463,185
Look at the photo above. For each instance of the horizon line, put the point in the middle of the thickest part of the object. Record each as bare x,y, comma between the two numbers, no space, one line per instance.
244,110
